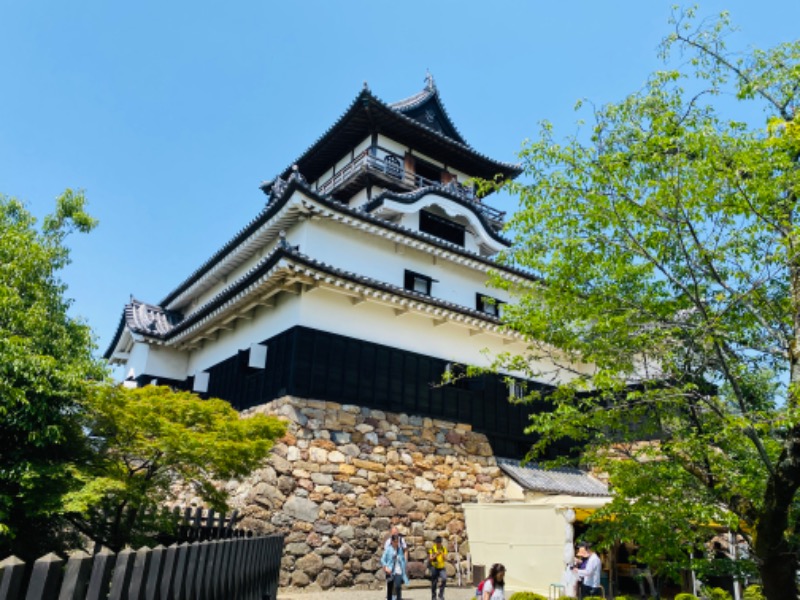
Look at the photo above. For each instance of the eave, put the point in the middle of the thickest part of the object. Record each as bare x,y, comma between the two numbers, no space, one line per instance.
279,213
368,114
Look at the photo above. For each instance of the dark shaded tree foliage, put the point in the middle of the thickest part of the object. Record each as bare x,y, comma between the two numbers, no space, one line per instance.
667,241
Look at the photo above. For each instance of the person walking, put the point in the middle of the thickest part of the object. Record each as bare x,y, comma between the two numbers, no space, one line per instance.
590,573
436,557
494,586
393,562
403,545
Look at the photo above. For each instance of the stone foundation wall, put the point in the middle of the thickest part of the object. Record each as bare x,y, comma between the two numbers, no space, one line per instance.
344,474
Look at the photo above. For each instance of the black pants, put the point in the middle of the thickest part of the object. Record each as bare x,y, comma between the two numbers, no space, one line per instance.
590,591
394,587
440,576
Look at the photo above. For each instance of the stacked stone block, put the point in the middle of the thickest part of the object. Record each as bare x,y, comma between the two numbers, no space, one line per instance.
343,475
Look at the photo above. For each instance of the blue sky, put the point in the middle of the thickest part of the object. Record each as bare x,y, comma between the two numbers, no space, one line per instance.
170,114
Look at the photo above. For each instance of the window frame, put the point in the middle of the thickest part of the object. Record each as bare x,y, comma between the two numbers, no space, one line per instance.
410,278
481,304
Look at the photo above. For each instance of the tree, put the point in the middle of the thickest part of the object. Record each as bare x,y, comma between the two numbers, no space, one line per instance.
150,442
46,364
667,244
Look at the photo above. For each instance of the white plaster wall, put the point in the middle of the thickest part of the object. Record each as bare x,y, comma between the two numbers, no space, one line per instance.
166,362
527,539
353,250
266,323
391,145
330,311
137,361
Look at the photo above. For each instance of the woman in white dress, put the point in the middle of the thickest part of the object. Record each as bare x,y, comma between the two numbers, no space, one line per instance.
494,587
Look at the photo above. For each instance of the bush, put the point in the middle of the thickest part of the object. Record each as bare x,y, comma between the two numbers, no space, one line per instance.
717,594
527,596
754,592
686,597
567,598
593,598
623,597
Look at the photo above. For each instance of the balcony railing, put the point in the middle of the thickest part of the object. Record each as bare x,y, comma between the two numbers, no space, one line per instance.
392,168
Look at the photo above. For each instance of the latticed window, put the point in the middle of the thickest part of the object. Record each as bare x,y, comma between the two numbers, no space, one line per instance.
393,166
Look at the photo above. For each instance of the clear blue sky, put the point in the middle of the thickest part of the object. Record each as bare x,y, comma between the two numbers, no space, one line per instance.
170,114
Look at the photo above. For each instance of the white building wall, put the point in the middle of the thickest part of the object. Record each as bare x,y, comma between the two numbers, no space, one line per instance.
370,321
266,323
353,250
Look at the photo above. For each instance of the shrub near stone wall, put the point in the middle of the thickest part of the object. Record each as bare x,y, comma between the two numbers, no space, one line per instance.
344,474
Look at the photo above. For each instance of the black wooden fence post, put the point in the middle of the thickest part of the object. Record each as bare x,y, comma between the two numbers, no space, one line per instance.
12,570
45,578
122,575
157,557
76,577
102,567
141,564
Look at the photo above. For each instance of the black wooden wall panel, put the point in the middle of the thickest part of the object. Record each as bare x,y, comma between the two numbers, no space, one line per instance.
308,363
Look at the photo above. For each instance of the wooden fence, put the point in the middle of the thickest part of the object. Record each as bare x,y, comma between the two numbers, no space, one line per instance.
199,524
244,568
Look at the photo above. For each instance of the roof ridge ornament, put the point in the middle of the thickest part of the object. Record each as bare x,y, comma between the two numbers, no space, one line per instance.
430,84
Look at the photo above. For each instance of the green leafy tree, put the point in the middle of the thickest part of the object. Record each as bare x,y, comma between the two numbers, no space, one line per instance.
46,364
149,443
666,239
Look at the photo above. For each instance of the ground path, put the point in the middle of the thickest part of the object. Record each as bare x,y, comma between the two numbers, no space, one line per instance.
415,592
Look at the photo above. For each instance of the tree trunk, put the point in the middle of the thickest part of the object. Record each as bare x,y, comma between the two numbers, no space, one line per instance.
776,556
778,579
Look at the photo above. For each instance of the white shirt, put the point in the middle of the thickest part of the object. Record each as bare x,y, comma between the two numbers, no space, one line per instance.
591,574
402,545
494,594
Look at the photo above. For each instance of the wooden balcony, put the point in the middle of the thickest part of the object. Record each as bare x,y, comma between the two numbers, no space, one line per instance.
391,174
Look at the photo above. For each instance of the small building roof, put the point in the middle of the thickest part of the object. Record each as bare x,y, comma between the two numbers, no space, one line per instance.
561,480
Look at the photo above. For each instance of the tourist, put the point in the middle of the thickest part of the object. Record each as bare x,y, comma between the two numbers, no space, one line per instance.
395,531
394,568
590,573
494,586
436,557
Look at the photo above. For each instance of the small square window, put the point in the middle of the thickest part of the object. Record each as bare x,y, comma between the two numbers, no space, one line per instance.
487,304
516,390
416,282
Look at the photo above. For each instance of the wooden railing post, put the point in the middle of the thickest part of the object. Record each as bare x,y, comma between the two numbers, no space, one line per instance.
12,570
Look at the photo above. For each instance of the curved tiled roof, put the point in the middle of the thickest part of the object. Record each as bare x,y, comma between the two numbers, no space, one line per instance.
297,182
145,319
430,94
413,196
561,480
170,324
150,319
367,112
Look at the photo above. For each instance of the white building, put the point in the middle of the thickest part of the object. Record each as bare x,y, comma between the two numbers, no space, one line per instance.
362,280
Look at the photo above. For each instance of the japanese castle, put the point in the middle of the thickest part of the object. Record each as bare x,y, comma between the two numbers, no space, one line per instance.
361,281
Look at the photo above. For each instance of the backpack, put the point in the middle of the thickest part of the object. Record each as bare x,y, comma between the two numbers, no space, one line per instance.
479,589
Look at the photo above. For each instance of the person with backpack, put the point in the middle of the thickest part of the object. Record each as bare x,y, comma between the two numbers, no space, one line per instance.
436,557
493,587
393,562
